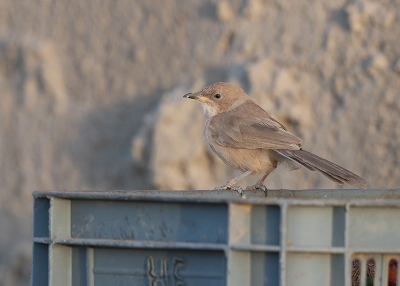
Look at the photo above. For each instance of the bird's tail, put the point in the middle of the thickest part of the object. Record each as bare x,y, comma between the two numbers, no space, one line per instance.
330,170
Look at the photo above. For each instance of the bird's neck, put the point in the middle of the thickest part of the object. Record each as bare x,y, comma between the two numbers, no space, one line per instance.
238,103
209,110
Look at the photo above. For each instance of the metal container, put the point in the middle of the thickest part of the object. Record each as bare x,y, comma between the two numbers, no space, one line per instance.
193,238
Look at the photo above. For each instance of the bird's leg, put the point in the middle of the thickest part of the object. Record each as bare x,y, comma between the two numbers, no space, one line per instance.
230,185
260,184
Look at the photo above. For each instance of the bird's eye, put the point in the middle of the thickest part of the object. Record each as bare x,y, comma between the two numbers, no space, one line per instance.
217,95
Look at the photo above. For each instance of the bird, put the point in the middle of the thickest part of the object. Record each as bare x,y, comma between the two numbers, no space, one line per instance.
245,137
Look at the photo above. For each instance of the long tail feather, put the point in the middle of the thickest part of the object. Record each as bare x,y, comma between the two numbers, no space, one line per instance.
332,171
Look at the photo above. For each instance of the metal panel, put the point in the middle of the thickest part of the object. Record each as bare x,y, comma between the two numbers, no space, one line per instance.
40,265
158,267
308,269
265,268
40,251
239,268
41,224
265,225
60,272
375,227
60,218
309,226
149,221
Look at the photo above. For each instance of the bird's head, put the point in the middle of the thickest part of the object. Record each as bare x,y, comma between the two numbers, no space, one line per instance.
219,97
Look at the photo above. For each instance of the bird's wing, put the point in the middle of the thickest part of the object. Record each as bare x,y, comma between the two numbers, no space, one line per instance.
250,132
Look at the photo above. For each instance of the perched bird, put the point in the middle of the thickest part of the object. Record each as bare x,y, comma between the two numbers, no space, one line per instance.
246,138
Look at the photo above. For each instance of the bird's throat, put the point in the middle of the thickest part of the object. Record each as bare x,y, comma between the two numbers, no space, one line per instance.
209,110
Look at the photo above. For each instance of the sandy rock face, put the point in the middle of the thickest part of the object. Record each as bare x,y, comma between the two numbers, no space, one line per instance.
91,95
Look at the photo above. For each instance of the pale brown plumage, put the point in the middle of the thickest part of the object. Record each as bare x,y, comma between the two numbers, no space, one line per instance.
245,137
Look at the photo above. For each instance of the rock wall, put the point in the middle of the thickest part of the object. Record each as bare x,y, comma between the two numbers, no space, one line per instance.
91,94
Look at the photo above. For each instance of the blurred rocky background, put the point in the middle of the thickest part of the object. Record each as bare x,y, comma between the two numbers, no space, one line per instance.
91,94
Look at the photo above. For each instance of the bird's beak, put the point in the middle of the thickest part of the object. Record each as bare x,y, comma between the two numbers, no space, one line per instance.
195,95
198,96
191,95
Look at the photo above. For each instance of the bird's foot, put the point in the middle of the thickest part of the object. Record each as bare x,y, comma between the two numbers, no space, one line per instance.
257,187
232,188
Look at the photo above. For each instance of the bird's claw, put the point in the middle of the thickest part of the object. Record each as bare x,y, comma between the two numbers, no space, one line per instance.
257,187
232,188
